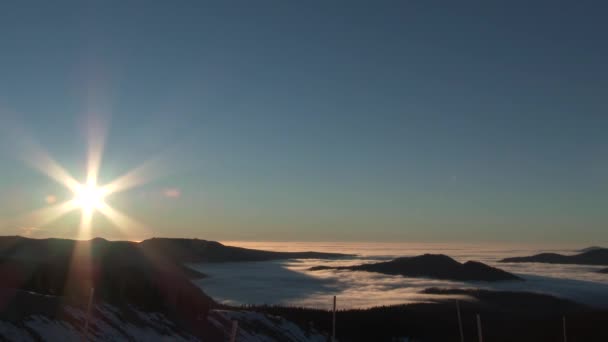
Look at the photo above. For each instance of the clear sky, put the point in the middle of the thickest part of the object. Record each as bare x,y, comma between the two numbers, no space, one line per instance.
315,120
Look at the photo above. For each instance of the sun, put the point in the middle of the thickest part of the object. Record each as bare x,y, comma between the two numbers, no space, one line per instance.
89,197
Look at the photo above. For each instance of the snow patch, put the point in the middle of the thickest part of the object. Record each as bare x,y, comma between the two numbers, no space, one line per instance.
260,327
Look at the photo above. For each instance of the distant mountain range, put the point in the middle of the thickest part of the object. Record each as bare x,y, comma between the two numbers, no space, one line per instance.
142,291
195,250
175,250
149,274
120,271
593,256
588,249
437,266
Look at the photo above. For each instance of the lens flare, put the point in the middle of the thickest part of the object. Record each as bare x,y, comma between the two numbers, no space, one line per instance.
89,197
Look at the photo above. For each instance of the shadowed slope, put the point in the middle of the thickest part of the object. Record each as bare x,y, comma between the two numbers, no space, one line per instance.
149,275
120,272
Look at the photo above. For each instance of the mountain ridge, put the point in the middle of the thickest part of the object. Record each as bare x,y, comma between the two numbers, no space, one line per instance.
590,257
436,266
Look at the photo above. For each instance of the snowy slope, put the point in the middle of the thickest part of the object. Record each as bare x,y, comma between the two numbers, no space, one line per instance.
107,325
259,327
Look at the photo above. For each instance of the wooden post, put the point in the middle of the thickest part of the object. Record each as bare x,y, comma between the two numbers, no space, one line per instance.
333,322
459,321
479,333
235,330
564,324
88,316
122,288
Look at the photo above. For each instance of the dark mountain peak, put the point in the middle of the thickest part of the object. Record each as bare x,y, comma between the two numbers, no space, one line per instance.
598,252
196,250
472,263
430,260
162,250
591,257
591,248
438,266
181,242
547,255
434,257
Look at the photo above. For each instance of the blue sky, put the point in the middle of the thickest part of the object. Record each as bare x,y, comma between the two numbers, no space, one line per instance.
391,120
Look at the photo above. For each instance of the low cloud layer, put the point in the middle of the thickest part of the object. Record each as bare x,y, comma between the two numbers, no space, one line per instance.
290,282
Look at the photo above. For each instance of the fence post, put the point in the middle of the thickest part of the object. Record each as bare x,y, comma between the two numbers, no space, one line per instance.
479,333
88,316
564,326
459,321
333,322
235,329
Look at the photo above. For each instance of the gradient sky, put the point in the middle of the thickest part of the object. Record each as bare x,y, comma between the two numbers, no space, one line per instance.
316,120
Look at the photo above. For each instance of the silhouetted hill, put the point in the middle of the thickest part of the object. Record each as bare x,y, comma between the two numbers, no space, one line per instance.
588,249
436,266
149,273
592,257
41,276
195,250
175,250
120,272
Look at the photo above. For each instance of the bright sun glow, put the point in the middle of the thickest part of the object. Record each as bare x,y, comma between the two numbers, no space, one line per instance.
89,197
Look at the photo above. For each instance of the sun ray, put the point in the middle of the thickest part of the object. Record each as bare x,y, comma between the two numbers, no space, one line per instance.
44,216
85,224
95,148
122,221
135,177
89,195
43,162
80,276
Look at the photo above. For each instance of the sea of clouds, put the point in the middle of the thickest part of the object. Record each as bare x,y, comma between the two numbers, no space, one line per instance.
289,282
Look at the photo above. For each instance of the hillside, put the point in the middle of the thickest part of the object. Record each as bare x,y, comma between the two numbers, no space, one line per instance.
505,316
147,273
590,248
591,257
43,276
27,316
435,266
195,250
